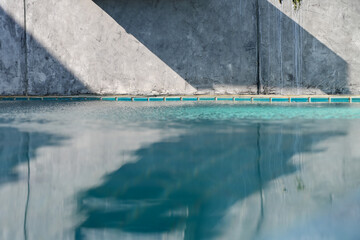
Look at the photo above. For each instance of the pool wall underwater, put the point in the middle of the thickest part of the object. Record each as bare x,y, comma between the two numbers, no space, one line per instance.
107,47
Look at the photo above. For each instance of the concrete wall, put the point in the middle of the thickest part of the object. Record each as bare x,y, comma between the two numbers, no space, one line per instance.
12,48
313,51
178,47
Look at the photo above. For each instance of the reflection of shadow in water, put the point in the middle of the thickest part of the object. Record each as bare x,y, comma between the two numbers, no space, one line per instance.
190,182
18,147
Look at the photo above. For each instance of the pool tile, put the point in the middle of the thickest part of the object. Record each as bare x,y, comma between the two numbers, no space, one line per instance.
243,99
64,98
280,99
49,99
261,99
140,99
189,99
21,99
207,99
124,99
78,99
153,99
160,99
8,99
225,99
173,99
319,100
299,100
340,100
93,99
108,99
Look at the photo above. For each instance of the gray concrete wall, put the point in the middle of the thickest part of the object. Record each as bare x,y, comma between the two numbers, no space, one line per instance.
312,51
12,48
178,47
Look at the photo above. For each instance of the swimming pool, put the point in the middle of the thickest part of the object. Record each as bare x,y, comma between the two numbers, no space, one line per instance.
179,170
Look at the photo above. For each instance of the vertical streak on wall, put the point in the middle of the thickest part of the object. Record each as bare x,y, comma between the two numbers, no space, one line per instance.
280,24
26,80
298,53
301,30
258,47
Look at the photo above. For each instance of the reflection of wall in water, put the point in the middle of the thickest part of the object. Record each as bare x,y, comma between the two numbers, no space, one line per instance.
216,189
60,172
61,165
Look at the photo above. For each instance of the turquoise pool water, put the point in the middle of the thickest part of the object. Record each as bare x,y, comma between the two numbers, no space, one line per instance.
179,170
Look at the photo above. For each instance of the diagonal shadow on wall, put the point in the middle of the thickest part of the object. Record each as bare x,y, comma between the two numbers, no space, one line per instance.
212,44
20,53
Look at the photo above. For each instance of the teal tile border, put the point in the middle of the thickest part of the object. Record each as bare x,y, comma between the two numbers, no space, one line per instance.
253,99
207,99
156,99
261,99
225,99
340,100
64,98
280,100
138,99
189,99
21,99
319,100
35,99
108,98
78,99
243,99
7,99
170,99
93,98
299,100
50,99
124,99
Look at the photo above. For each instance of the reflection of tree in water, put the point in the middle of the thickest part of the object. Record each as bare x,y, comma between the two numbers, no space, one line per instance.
17,147
189,182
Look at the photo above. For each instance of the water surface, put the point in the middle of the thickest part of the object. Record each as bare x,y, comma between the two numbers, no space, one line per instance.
112,170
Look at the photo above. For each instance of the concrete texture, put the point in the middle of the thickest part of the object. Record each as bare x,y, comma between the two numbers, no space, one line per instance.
93,54
210,44
179,47
12,61
311,51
